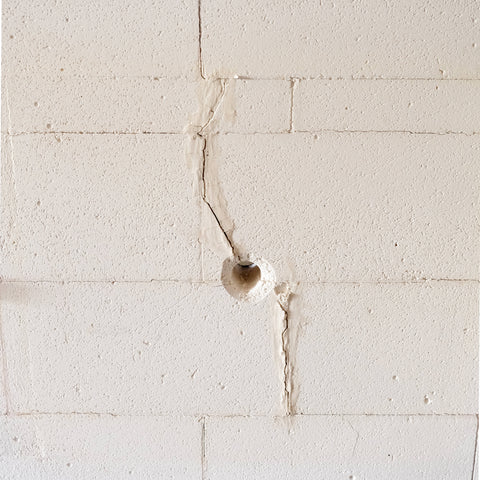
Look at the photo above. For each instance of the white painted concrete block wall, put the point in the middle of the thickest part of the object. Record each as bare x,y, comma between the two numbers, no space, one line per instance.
338,141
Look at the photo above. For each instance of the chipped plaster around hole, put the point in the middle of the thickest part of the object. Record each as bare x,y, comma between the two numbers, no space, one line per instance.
246,291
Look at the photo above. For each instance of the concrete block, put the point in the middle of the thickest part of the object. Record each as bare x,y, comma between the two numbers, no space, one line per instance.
98,207
368,38
139,105
352,207
387,349
139,348
255,106
412,105
101,39
86,104
55,447
349,447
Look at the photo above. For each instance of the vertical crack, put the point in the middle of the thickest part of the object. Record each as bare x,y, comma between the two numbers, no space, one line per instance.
284,295
200,59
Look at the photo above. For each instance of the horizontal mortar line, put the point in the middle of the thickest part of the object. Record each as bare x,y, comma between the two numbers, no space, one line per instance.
101,132
409,132
214,283
389,79
225,131
287,131
328,130
78,76
113,282
432,414
298,415
254,133
252,416
118,132
393,282
197,78
288,77
331,130
138,132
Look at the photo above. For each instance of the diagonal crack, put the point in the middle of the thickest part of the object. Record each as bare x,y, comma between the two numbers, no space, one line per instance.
202,133
205,198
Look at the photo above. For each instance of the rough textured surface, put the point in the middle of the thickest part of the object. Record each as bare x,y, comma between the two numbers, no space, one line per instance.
138,105
340,447
99,207
142,348
261,106
134,105
148,147
55,447
114,38
430,106
377,348
368,38
362,206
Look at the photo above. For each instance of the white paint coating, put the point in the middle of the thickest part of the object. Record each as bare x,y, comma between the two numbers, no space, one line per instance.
135,105
386,105
360,206
77,447
148,147
384,349
68,38
138,348
99,207
328,39
340,447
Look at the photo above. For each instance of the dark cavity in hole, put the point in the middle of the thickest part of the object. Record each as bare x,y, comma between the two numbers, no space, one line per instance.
246,275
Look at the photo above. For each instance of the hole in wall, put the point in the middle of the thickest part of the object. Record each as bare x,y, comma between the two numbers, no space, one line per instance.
246,275
249,279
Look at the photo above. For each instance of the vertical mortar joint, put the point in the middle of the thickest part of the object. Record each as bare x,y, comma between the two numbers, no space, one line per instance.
200,59
203,422
293,85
